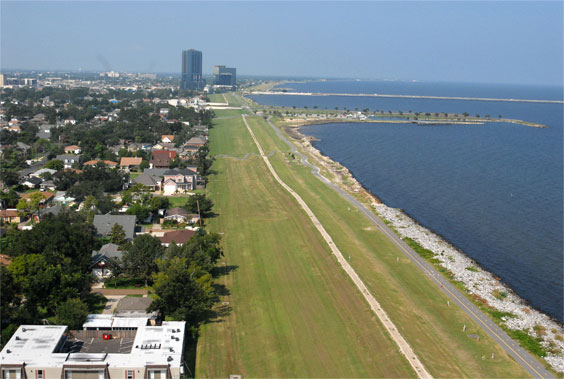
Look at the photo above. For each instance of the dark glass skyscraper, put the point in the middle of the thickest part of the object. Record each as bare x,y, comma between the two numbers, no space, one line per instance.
226,76
192,70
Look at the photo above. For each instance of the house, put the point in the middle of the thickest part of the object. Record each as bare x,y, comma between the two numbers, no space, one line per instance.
61,198
163,111
68,159
32,182
154,184
72,149
101,260
41,172
181,215
196,141
127,163
167,138
47,185
22,146
54,210
109,346
110,164
162,158
104,224
179,237
178,181
8,216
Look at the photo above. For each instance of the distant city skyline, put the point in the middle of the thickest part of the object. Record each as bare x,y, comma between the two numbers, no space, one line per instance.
492,42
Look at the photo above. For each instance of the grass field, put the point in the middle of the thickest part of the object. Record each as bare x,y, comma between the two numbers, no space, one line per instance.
290,311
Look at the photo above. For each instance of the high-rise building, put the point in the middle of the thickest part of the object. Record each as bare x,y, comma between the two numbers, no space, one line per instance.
192,70
225,76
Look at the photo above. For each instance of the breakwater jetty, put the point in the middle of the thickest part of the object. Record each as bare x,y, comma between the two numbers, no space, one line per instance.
404,96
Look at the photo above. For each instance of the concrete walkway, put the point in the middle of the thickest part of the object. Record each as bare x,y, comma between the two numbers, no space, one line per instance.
404,347
111,304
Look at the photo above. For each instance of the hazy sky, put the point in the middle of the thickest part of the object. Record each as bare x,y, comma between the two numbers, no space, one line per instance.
507,42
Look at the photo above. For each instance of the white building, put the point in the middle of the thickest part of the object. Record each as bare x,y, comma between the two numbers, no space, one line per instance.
130,350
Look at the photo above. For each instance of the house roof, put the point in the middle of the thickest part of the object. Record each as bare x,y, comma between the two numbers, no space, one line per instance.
161,160
177,236
72,147
130,161
177,212
196,141
96,161
62,157
54,210
9,213
146,180
34,180
178,171
164,153
42,171
169,136
109,250
155,172
105,223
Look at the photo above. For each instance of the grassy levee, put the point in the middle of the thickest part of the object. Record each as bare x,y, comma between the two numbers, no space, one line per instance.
416,306
291,312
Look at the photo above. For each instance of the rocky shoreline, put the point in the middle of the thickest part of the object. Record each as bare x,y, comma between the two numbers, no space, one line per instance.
483,286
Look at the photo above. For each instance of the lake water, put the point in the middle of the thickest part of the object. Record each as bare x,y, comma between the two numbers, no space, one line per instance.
495,191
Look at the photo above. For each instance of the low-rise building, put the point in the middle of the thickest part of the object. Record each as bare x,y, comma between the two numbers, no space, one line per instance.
68,159
121,348
72,149
105,223
178,181
128,163
179,237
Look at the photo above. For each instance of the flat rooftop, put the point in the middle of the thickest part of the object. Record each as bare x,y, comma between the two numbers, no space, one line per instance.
100,345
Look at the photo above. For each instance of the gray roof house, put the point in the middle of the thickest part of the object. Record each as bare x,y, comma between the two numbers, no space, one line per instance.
69,159
100,259
105,223
154,183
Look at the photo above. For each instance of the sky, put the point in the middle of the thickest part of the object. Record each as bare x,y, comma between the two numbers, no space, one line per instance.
476,41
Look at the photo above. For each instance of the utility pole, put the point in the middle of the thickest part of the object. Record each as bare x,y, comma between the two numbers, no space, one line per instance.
199,214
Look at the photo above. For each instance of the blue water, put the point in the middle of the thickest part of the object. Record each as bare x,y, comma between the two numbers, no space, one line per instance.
495,191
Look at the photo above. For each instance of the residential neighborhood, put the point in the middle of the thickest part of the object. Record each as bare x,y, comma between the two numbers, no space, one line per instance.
115,181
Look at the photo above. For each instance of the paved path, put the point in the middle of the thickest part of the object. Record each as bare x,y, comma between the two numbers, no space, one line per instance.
119,291
532,365
112,303
404,347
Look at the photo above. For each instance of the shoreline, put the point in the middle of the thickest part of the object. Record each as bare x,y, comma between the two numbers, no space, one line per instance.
483,286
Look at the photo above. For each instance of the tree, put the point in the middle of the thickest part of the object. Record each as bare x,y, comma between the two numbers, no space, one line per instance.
55,164
72,312
9,199
117,235
203,248
183,291
159,202
10,177
139,210
205,205
139,257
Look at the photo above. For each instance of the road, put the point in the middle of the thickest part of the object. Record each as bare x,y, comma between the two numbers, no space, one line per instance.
532,365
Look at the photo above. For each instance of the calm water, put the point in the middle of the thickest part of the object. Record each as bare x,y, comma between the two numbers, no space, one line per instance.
495,191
